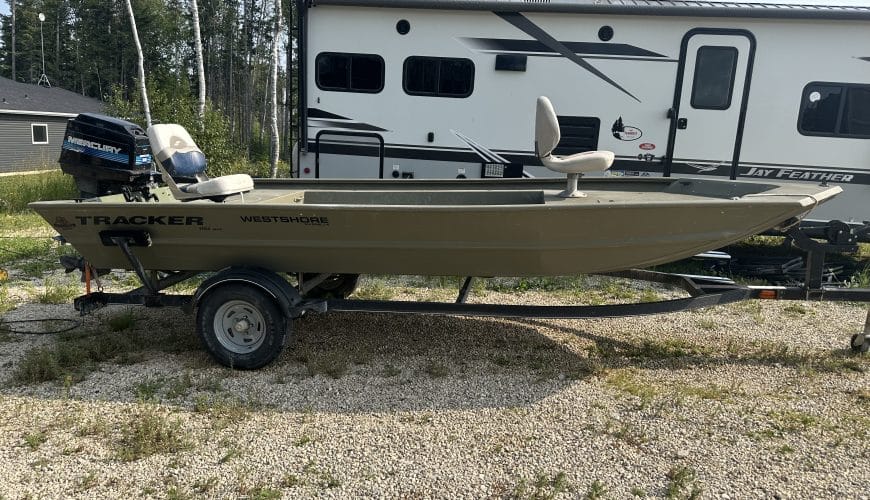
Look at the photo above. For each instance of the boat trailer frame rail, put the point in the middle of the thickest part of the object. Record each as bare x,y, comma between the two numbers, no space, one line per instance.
703,291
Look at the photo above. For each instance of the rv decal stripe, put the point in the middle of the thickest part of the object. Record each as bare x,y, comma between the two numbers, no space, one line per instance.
405,153
318,123
533,30
584,48
484,153
319,113
806,174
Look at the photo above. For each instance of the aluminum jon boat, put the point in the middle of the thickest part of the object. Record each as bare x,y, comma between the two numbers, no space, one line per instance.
466,228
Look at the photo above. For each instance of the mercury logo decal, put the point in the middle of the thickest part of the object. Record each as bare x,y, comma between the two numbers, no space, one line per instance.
93,145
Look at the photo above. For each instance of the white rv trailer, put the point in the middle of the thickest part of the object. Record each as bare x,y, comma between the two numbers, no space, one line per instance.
447,89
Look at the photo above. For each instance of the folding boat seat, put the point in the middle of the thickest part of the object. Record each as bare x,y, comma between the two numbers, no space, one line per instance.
177,155
547,136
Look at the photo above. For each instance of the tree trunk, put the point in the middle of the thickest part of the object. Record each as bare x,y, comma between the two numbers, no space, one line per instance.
273,88
199,64
12,8
142,88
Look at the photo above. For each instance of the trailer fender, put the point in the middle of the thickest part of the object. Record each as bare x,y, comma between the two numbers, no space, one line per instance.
285,295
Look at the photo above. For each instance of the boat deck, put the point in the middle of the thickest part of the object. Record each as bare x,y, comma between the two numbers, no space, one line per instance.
525,192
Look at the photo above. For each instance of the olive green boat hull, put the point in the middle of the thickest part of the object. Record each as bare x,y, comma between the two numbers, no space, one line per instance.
468,228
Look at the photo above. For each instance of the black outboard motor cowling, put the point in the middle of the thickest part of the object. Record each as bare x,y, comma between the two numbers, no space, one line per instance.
103,154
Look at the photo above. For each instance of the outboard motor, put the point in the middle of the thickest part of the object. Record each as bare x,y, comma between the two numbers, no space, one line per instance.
104,154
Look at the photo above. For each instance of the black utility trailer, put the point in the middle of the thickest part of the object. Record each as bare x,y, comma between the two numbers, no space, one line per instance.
243,314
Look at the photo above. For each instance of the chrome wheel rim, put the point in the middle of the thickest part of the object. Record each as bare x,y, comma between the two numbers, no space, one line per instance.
239,327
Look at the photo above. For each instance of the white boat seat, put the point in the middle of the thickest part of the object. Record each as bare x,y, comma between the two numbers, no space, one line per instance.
547,136
175,151
221,186
174,148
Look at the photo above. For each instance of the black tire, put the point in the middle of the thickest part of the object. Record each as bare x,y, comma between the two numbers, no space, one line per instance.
336,286
241,326
857,348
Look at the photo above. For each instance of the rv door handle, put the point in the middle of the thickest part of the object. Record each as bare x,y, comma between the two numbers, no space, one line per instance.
682,123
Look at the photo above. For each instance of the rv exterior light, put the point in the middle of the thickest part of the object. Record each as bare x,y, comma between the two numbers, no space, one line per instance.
605,33
403,27
815,96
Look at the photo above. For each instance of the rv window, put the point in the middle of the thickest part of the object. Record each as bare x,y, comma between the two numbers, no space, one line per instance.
835,110
349,72
714,77
39,133
438,76
856,116
821,107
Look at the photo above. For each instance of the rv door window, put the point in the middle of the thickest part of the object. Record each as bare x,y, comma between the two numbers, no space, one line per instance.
438,76
337,71
714,77
835,110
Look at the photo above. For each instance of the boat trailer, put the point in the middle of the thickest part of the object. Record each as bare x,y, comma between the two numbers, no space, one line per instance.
244,313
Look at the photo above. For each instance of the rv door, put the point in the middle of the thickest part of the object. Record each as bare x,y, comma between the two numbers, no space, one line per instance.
710,100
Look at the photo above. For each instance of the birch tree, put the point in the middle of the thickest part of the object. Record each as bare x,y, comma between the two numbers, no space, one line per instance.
142,88
12,9
194,9
273,89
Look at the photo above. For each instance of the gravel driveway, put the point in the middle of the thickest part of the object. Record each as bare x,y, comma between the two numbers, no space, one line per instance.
747,400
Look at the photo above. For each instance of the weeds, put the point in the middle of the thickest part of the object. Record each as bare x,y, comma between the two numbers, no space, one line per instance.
627,381
626,432
88,481
222,411
390,371
681,484
122,322
16,191
73,354
596,491
34,440
335,364
374,290
147,389
229,455
150,433
542,488
436,369
57,293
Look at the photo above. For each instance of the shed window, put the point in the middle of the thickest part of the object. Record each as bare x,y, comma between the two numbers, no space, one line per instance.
39,133
344,72
713,85
835,110
438,76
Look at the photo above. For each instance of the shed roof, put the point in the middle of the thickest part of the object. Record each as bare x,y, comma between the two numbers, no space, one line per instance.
24,98
698,8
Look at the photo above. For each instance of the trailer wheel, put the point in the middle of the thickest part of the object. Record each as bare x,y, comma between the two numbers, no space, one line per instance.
241,326
336,286
859,343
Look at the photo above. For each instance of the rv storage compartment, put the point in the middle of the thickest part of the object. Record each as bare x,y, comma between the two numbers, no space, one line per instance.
103,154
